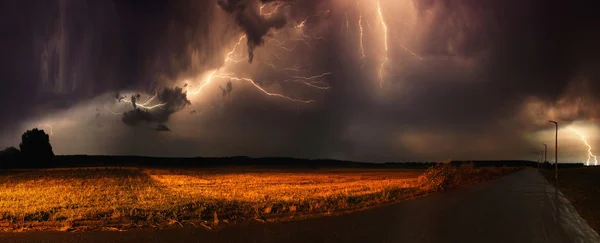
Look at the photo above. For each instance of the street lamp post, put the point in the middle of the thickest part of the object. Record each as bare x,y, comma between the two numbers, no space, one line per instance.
555,151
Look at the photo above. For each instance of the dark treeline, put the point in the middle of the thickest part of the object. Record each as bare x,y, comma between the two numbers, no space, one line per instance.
273,162
84,160
36,152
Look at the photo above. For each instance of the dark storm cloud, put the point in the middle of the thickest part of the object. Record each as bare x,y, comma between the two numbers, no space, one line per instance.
521,48
172,100
80,41
484,61
247,16
162,128
578,102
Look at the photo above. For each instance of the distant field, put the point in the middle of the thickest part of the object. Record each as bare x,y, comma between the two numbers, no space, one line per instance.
130,197
580,186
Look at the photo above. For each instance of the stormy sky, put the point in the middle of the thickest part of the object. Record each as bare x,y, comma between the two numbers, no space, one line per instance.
365,80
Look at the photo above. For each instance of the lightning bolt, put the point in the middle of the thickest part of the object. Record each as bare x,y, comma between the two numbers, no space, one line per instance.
385,42
281,44
277,5
295,68
251,81
114,113
310,81
313,81
303,22
590,154
270,65
206,82
362,48
145,106
411,52
149,100
276,55
228,56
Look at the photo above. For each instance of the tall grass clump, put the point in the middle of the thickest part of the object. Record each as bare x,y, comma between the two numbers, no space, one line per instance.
446,176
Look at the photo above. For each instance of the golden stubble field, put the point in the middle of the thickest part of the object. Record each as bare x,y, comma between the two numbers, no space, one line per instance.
125,197
68,198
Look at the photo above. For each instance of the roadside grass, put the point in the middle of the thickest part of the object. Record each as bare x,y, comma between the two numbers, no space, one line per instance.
580,186
120,198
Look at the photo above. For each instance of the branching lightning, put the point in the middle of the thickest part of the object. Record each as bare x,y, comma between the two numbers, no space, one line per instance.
591,156
214,75
149,100
303,22
228,56
313,81
277,6
251,81
146,107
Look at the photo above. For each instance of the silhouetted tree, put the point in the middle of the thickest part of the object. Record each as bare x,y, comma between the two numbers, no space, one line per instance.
9,157
35,147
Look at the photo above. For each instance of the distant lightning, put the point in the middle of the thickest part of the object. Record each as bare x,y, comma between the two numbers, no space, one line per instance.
303,39
279,4
303,22
362,48
270,65
313,81
114,113
313,84
295,69
251,81
281,44
292,69
591,156
276,55
313,77
385,41
411,52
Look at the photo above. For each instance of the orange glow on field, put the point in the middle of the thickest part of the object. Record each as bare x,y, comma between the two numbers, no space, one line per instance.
161,196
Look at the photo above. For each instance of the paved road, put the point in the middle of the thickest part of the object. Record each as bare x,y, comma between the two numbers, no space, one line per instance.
521,207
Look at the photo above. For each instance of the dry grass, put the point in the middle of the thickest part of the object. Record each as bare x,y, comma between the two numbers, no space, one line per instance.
126,197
